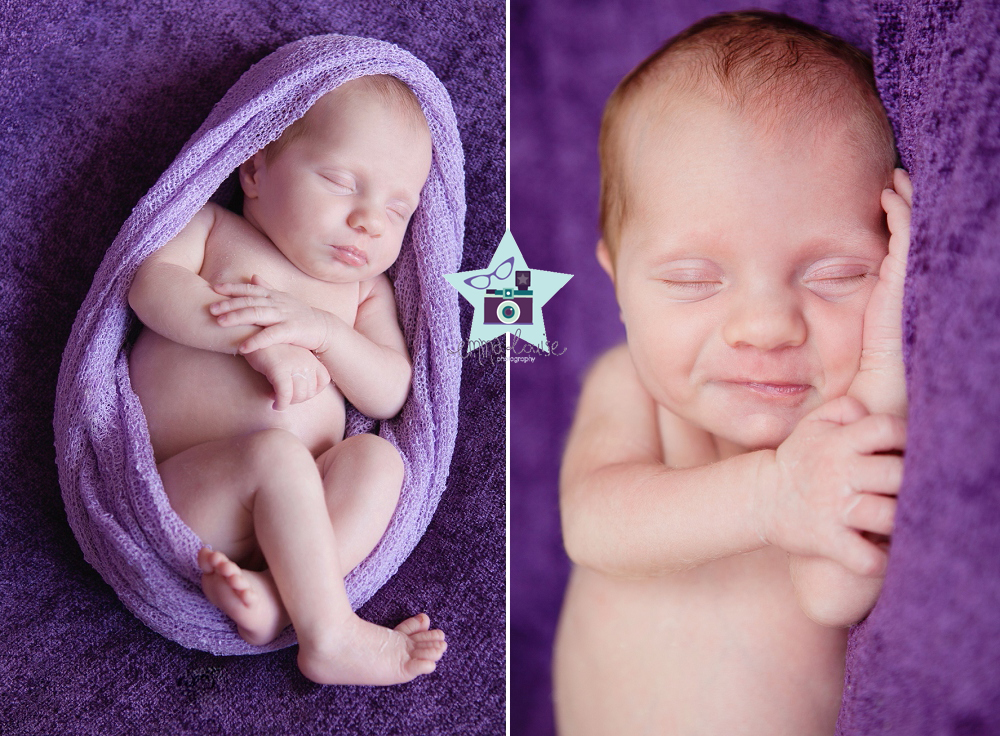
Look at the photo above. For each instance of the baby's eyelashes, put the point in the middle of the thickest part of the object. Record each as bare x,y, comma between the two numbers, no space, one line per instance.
839,284
692,285
340,183
398,211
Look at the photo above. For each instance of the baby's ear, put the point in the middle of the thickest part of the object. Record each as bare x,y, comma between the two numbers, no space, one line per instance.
249,171
604,258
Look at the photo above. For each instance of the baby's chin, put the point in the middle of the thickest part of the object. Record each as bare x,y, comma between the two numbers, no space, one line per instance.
755,431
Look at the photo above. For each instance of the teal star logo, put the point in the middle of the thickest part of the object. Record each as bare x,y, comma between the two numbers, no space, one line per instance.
508,296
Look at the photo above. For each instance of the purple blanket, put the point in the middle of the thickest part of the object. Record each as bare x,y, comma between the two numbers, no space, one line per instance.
97,101
113,493
927,660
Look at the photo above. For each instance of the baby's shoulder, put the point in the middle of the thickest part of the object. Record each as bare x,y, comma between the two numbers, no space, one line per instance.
614,374
378,288
615,418
222,219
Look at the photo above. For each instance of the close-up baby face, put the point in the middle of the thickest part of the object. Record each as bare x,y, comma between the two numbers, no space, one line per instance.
336,200
744,264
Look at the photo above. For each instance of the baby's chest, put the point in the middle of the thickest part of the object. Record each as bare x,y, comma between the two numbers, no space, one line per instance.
236,255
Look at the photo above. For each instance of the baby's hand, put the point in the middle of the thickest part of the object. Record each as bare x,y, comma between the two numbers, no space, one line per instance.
285,318
881,382
295,373
823,485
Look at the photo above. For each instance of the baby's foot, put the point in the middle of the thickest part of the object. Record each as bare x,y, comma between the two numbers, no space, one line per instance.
361,653
248,598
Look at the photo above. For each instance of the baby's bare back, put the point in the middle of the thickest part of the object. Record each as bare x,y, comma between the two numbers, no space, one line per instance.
190,396
721,647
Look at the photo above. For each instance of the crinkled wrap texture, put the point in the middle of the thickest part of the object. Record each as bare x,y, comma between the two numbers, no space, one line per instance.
114,498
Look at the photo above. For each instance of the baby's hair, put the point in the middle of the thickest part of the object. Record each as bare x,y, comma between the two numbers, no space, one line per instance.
767,67
392,92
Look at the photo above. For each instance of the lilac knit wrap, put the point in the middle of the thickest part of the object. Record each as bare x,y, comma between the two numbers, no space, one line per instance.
113,494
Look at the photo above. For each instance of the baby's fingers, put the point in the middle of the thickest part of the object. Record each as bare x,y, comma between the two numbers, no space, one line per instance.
876,433
302,388
898,215
241,302
260,315
259,281
284,390
859,555
877,474
871,513
264,339
902,184
322,378
238,289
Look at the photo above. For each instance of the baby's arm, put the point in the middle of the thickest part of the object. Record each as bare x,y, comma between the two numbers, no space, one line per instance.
827,592
170,298
625,513
368,362
295,374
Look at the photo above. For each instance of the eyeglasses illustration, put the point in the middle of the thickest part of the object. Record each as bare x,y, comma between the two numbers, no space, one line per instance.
483,280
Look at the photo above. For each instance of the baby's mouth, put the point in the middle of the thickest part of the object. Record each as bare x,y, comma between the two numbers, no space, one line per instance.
777,389
350,255
781,392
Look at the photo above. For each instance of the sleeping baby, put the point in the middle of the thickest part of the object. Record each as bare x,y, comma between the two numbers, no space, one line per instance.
256,329
727,490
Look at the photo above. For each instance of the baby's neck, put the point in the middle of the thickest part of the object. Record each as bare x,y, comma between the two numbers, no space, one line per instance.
728,449
686,445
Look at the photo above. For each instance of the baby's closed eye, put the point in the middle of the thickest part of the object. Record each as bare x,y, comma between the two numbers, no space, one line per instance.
838,281
340,183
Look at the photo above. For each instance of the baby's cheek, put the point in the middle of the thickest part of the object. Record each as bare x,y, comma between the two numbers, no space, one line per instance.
840,354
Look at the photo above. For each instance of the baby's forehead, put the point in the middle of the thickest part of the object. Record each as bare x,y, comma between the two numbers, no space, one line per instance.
388,95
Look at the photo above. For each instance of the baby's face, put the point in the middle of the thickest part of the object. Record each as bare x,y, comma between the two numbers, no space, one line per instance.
337,199
743,270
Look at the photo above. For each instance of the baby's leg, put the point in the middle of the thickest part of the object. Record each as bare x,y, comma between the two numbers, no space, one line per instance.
266,486
362,477
208,486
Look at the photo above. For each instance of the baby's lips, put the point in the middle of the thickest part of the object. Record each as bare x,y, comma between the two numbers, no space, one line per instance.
350,255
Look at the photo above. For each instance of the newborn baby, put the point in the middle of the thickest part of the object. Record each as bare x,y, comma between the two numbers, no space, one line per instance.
724,494
256,329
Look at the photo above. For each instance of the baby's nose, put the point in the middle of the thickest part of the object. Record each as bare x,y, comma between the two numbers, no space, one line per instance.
766,322
367,218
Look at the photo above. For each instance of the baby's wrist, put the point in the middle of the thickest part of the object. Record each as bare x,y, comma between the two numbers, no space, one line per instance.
763,489
326,333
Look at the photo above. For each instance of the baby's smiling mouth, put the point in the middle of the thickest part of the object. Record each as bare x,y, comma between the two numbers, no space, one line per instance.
350,255
775,390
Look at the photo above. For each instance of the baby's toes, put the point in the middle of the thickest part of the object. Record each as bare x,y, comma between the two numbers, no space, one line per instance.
428,636
429,650
414,624
228,569
419,666
205,560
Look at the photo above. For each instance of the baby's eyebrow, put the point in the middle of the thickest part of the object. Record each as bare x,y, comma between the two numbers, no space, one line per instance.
854,242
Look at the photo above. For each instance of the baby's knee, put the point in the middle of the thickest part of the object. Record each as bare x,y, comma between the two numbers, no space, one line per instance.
378,459
279,453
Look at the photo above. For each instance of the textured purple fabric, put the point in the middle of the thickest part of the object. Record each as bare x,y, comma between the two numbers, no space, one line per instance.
926,661
112,491
97,100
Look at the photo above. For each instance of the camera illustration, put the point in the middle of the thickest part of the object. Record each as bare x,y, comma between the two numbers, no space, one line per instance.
511,306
